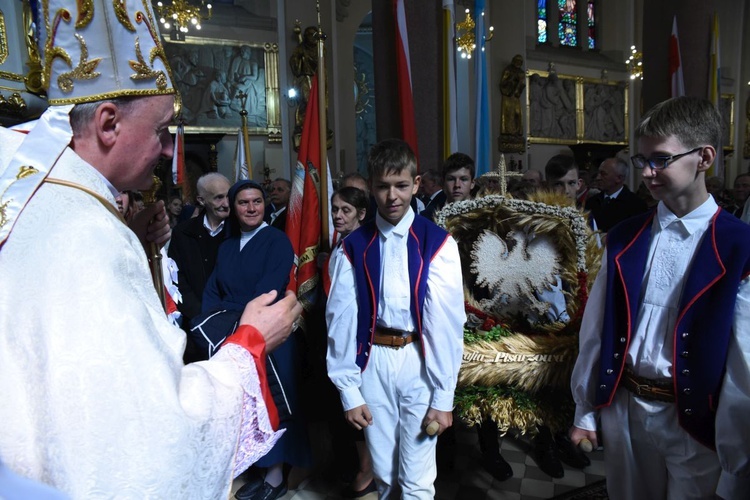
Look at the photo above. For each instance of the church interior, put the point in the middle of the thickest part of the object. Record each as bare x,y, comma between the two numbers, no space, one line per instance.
588,71
586,44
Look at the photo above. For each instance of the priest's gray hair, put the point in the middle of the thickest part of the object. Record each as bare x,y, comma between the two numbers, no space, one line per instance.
83,113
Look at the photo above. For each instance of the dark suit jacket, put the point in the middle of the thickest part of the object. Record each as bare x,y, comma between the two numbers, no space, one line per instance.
626,205
434,205
194,251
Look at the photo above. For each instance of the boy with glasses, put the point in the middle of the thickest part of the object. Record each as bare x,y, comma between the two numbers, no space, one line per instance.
664,341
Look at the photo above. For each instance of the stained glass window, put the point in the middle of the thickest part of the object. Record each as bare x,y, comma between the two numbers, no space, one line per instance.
567,26
591,25
541,8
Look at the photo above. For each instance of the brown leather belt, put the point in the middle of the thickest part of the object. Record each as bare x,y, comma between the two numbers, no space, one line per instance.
393,338
646,388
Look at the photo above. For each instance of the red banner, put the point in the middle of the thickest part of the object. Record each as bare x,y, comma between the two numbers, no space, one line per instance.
303,224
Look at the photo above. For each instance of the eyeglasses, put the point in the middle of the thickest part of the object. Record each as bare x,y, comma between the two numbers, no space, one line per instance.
658,162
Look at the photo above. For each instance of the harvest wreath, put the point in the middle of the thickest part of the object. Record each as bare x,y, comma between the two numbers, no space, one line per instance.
520,258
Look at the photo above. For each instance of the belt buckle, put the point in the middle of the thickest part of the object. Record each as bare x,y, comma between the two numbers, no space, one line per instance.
642,389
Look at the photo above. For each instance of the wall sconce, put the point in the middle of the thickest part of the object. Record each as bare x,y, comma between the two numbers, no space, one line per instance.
292,97
465,38
635,64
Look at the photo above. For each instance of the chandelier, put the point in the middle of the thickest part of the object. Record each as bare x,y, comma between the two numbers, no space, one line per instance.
465,38
635,64
180,14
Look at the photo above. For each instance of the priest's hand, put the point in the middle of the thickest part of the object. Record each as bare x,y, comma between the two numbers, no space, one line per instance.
577,435
359,417
443,418
151,225
274,321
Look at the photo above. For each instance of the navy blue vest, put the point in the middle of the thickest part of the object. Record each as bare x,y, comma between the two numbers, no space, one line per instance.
362,248
704,321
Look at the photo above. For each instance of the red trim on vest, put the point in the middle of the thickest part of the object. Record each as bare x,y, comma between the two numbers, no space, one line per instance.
627,306
374,306
712,227
415,292
440,247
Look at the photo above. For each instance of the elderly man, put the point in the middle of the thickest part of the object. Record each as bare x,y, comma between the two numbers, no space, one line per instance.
279,192
741,193
532,179
195,244
432,188
96,399
615,202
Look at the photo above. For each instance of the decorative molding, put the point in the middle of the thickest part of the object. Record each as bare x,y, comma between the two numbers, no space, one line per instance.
3,39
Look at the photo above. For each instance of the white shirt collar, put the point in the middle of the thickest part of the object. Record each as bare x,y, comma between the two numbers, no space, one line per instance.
213,232
249,235
387,229
615,194
435,194
693,221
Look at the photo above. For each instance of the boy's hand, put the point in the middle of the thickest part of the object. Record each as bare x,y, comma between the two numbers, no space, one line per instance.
577,434
358,417
443,418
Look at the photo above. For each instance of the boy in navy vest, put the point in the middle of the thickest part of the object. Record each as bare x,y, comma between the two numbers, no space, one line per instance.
665,340
395,323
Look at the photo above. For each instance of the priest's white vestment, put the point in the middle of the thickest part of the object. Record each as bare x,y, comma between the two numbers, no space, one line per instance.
95,398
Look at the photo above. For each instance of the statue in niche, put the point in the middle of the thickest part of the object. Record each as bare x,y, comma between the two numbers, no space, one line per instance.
512,84
304,64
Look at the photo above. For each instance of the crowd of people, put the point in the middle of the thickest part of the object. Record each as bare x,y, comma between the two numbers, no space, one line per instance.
104,396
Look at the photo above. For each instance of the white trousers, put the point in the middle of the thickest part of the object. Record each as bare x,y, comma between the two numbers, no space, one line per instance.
397,392
649,456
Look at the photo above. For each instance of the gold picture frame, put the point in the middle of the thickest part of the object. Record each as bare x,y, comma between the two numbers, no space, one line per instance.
3,39
209,75
726,110
567,109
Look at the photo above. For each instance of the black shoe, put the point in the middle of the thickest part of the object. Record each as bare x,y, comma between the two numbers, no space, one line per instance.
546,459
268,492
250,488
570,454
497,467
348,492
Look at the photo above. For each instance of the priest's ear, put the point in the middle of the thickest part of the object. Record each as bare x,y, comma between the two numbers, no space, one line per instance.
107,120
201,201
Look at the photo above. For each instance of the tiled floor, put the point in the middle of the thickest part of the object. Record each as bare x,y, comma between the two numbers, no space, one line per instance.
469,481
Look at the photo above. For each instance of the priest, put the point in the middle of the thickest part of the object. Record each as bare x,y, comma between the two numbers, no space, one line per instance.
96,399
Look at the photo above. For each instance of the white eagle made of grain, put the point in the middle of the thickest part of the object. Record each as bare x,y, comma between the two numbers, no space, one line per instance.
514,271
